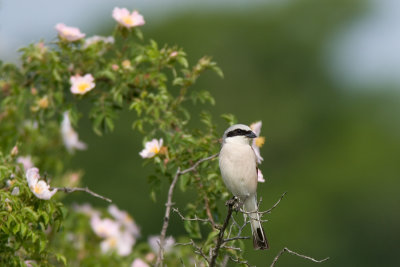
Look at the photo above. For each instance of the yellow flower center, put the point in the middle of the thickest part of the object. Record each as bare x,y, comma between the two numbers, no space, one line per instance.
260,141
112,241
126,63
37,189
155,149
44,102
83,86
127,20
128,219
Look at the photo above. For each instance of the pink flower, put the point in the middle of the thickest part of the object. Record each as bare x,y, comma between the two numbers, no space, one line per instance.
139,263
127,19
70,136
104,227
260,176
70,34
257,142
122,243
26,161
80,85
173,54
151,148
154,242
95,39
124,219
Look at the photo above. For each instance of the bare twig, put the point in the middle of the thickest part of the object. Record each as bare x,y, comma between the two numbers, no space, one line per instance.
160,256
191,219
235,238
274,206
214,253
197,164
86,189
245,262
285,249
264,212
198,250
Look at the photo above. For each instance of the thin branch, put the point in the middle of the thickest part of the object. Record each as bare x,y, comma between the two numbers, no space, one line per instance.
220,240
198,250
264,212
198,163
160,256
240,261
191,219
169,204
274,206
235,238
86,189
285,249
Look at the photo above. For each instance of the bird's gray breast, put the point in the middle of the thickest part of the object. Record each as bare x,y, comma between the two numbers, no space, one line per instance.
238,169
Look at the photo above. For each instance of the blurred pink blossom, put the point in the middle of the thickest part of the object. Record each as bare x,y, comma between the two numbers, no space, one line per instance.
125,219
26,161
260,176
257,142
154,242
70,136
81,84
139,263
127,19
70,34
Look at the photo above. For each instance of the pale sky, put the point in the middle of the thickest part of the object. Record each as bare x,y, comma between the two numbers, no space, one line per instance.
365,53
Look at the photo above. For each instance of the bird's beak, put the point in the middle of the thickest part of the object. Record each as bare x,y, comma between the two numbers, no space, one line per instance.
251,135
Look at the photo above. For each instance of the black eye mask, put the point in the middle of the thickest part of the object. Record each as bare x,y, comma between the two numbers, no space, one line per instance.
237,132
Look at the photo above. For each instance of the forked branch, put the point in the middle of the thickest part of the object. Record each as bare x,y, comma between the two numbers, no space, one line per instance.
285,249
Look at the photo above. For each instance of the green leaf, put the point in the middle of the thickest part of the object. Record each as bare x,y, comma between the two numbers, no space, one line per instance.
61,258
184,181
192,228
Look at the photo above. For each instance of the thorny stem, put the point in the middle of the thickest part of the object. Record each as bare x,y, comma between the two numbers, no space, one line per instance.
285,249
86,189
169,204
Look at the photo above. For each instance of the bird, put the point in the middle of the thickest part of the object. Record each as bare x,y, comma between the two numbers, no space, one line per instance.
238,166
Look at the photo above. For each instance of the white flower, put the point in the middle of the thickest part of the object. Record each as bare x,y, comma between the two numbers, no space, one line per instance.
69,33
127,19
151,148
95,39
39,188
122,243
15,191
80,85
139,263
104,227
26,161
125,219
260,176
70,137
154,242
257,142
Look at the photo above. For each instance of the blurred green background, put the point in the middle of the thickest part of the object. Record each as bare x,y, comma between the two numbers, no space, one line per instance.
335,150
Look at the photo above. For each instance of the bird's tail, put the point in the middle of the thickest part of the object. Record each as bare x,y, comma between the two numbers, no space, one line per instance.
259,239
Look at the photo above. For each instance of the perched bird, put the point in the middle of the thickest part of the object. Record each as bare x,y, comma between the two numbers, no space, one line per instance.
238,165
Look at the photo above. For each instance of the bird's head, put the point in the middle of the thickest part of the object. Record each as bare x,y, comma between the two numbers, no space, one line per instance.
238,134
